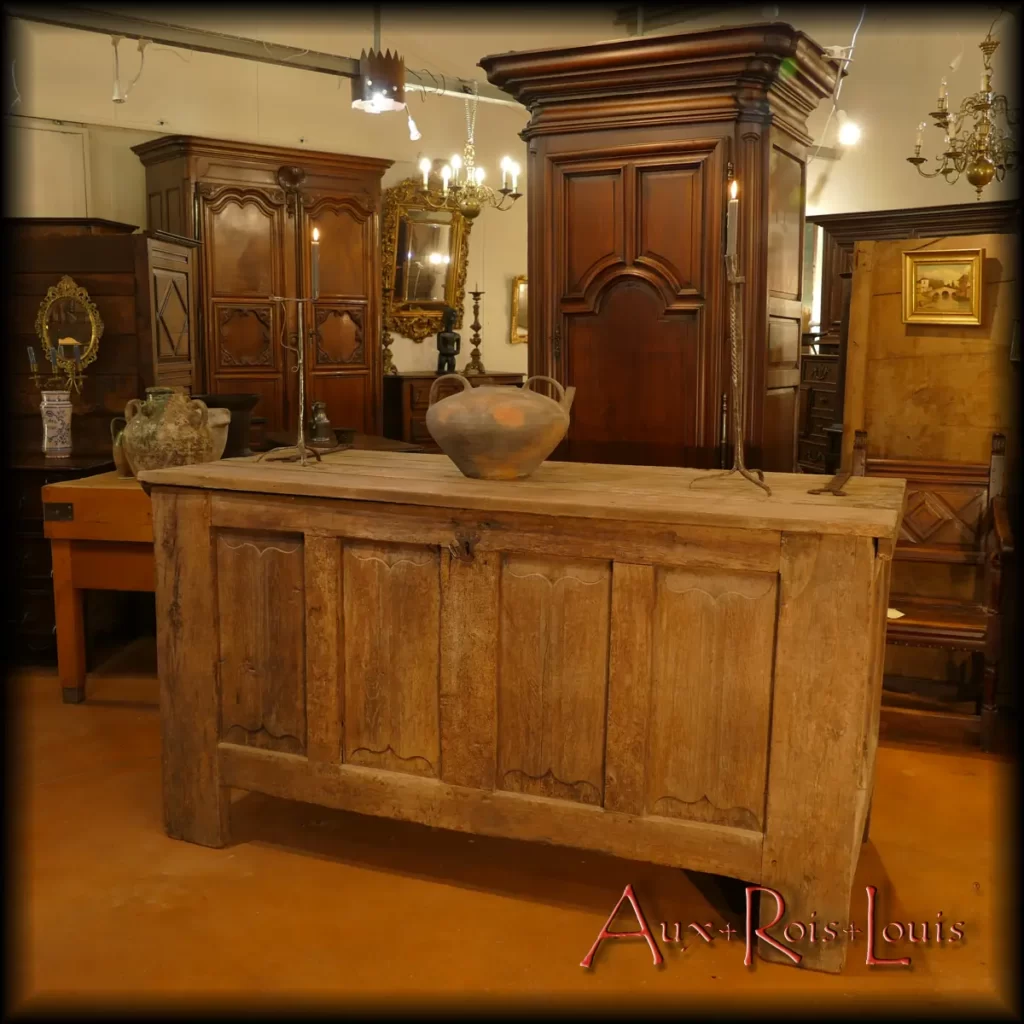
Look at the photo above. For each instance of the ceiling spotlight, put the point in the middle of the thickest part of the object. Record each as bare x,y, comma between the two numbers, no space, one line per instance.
849,131
380,86
849,134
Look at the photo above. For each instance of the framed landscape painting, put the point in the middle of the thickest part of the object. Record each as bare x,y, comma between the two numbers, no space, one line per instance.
942,287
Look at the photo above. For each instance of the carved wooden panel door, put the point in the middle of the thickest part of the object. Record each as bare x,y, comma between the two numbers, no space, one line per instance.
247,240
635,310
341,357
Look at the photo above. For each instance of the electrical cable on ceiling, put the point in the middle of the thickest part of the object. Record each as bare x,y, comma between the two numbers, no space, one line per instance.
121,95
17,95
844,64
294,56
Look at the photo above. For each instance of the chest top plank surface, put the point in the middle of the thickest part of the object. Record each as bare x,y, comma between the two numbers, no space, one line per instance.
649,494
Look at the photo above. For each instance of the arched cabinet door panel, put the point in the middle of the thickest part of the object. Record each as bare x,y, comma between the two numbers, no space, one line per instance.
635,270
244,232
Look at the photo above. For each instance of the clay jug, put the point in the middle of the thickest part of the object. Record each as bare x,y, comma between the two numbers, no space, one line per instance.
498,433
167,429
117,425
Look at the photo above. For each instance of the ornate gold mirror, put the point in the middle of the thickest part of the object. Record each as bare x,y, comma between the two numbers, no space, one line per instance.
69,327
425,255
518,332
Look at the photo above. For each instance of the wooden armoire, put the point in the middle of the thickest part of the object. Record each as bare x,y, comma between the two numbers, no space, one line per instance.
631,145
254,209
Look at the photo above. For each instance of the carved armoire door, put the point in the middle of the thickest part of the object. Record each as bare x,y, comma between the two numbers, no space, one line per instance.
636,304
342,365
248,255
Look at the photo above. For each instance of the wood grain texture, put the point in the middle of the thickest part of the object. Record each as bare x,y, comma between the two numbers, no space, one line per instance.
629,686
196,804
711,669
693,845
392,608
325,686
569,537
69,622
641,494
552,688
262,639
820,739
105,507
470,592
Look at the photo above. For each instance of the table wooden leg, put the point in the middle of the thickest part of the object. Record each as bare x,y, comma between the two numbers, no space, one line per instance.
196,804
821,758
67,603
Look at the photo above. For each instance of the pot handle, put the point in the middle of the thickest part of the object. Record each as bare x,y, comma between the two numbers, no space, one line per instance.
457,376
195,406
550,380
132,409
115,429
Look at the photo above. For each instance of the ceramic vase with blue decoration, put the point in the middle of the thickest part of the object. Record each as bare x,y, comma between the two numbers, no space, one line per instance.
56,411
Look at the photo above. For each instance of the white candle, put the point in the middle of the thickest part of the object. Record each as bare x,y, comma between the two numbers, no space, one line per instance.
731,220
456,162
425,168
479,175
315,262
942,95
505,163
514,169
446,173
920,134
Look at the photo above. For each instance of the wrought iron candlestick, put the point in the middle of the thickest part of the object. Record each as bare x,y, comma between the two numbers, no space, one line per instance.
475,365
736,355
299,367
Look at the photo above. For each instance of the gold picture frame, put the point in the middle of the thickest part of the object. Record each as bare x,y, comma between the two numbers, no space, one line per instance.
942,286
411,318
68,304
518,329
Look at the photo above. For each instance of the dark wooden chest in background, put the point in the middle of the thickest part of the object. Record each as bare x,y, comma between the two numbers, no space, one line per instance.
407,398
30,617
819,375
143,287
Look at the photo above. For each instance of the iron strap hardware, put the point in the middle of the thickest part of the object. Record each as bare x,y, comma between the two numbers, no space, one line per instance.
58,512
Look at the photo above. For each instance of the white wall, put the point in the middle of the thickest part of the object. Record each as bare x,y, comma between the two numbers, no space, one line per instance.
900,57
68,76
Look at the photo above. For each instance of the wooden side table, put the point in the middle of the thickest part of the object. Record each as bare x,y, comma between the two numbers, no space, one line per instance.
100,530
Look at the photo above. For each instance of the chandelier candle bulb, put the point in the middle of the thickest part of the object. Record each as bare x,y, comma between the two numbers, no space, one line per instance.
456,165
315,262
731,220
514,169
446,173
425,168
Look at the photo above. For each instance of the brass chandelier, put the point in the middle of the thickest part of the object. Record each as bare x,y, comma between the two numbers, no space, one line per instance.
974,145
459,184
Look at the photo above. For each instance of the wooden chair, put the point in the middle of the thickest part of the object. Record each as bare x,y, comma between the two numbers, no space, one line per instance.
955,514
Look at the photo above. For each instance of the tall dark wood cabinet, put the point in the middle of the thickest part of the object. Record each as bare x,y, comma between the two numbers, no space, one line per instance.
143,286
630,149
254,208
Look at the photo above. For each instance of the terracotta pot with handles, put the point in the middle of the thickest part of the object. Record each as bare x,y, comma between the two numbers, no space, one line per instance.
498,433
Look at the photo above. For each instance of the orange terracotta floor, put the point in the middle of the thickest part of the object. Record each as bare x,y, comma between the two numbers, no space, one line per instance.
315,907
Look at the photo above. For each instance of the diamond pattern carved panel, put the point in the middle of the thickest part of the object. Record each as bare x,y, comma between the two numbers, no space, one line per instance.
244,336
943,516
170,295
339,337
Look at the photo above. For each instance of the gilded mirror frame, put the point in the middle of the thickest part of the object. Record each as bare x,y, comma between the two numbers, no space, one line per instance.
411,320
516,334
64,290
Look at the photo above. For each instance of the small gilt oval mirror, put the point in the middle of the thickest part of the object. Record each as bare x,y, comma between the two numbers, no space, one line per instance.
69,325
518,331
425,253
